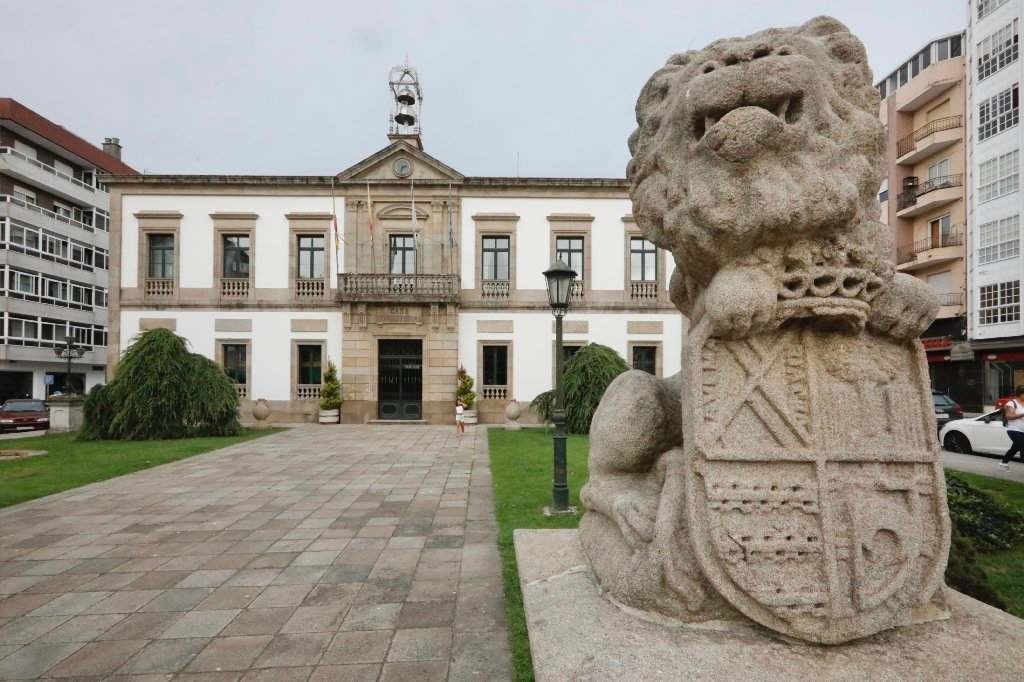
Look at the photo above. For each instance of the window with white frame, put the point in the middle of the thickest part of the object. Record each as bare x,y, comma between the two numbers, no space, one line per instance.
987,7
999,176
21,282
44,331
998,50
999,303
998,113
999,240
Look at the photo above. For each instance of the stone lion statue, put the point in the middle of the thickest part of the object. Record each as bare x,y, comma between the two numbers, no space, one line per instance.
756,163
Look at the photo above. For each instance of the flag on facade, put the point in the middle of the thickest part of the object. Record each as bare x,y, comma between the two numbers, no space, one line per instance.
334,220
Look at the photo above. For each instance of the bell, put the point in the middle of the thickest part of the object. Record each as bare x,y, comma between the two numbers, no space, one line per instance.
406,96
405,117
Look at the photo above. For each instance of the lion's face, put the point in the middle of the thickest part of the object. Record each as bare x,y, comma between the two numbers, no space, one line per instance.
756,142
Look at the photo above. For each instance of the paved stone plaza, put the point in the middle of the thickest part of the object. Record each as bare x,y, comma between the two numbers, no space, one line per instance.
319,553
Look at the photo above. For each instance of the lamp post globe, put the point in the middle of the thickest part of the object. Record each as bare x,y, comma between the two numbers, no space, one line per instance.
69,351
560,278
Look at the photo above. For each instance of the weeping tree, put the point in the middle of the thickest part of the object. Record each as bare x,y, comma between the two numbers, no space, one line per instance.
162,390
585,378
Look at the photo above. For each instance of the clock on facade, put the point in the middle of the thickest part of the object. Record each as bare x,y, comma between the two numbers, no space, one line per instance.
402,167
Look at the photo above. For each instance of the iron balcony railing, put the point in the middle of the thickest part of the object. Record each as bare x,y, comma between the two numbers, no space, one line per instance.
356,286
910,196
49,169
909,143
908,252
955,298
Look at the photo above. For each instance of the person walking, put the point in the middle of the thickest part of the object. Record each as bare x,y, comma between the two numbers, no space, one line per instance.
1013,418
460,418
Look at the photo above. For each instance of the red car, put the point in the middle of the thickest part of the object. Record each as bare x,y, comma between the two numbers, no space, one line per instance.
23,413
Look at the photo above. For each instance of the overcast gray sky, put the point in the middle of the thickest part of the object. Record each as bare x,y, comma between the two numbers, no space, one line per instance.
300,87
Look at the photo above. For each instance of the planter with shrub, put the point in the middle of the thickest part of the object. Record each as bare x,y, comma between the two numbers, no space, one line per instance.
464,393
330,396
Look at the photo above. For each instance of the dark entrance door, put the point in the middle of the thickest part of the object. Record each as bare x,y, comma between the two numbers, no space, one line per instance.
400,379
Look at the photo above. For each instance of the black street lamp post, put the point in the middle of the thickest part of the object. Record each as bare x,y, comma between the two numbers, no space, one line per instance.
560,278
70,351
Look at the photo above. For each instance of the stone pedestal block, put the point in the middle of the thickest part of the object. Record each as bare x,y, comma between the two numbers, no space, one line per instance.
66,415
578,634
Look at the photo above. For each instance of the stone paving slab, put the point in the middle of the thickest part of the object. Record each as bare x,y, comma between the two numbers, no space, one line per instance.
321,553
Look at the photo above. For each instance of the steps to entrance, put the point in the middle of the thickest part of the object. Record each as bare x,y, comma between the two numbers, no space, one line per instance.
398,422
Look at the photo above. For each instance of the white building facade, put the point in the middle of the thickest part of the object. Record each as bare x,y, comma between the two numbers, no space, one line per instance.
995,267
428,271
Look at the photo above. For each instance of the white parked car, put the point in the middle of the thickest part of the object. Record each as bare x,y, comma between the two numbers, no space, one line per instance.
985,434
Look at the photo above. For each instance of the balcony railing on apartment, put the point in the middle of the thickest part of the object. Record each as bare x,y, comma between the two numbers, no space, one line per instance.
910,196
307,392
955,298
242,391
159,287
907,144
494,392
234,287
495,288
48,168
59,217
908,252
356,286
643,290
310,288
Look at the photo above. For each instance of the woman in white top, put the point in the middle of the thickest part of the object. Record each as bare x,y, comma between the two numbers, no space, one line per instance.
460,417
1014,413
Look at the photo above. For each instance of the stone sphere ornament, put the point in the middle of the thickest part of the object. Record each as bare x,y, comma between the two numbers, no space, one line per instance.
260,411
746,487
513,411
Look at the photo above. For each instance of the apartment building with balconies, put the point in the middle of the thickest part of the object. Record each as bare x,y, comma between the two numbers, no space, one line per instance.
994,201
54,253
923,198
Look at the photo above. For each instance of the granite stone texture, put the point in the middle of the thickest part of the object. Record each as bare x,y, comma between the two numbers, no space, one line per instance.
578,634
323,553
789,475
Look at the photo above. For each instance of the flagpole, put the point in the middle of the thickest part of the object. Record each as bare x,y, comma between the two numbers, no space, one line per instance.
334,224
369,212
412,217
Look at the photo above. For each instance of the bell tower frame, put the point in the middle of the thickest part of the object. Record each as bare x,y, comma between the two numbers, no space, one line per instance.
405,119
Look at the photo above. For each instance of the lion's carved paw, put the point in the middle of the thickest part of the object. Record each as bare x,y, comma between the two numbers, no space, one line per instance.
905,309
636,516
739,301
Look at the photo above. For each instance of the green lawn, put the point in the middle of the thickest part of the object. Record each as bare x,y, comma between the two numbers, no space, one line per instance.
71,463
521,466
521,470
1004,568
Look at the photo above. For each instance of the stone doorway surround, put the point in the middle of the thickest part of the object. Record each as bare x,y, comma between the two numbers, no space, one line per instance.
321,553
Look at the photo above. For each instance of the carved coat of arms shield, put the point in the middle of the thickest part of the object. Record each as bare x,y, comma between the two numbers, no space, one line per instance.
815,494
